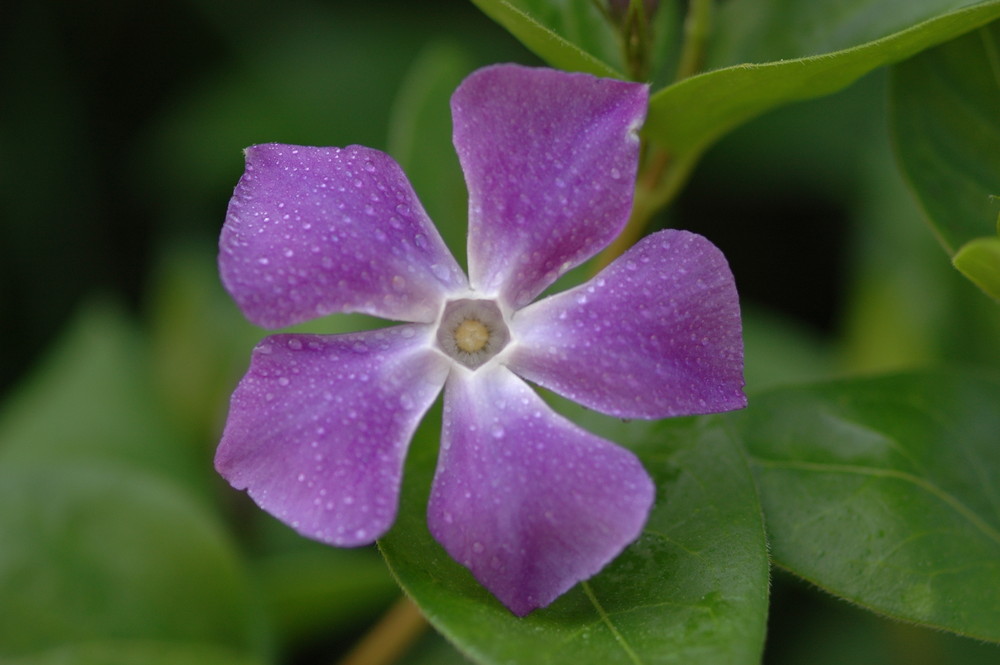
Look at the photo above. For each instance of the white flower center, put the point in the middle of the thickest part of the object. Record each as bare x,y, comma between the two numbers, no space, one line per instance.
472,331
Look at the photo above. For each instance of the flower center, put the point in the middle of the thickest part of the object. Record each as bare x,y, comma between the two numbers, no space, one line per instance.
471,335
472,331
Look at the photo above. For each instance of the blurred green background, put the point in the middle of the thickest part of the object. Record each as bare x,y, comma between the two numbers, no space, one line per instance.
121,130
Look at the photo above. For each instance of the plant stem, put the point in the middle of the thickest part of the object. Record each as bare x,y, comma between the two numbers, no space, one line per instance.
388,639
658,183
697,26
661,177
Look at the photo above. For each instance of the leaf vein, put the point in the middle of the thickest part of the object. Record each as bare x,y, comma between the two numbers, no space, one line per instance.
619,638
930,488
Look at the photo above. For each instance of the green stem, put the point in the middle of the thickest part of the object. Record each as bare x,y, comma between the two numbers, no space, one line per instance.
660,177
697,26
658,184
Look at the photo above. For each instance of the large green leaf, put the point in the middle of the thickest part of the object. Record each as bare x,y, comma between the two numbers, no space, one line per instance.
692,589
946,119
771,30
886,492
101,551
688,116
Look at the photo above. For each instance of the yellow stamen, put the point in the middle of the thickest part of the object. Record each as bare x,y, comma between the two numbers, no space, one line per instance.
471,336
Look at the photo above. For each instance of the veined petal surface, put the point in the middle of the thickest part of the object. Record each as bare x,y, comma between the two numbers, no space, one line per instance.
319,426
656,334
313,231
550,161
525,499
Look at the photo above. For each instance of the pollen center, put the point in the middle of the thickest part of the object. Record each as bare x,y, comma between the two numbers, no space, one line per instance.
472,331
471,336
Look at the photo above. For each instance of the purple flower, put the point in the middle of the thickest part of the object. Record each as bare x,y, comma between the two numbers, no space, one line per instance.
529,502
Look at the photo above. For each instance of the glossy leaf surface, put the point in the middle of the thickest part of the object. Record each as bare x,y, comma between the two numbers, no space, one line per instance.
946,120
886,492
688,116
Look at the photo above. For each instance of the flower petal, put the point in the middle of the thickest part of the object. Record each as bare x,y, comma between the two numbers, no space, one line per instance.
313,231
550,161
656,334
525,499
319,426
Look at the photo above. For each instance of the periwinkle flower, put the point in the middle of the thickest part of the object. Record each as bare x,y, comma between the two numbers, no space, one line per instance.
528,501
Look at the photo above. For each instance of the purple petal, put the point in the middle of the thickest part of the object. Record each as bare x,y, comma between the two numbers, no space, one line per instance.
525,499
656,334
550,161
319,426
313,231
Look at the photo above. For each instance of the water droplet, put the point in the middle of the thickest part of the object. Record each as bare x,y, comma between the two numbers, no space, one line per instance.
441,272
403,209
283,381
615,174
263,260
477,547
294,343
369,166
497,431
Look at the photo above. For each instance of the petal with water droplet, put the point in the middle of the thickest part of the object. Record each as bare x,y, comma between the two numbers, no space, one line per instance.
550,161
656,334
525,499
313,231
317,445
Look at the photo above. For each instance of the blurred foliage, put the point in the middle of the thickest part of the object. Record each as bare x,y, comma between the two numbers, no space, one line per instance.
120,139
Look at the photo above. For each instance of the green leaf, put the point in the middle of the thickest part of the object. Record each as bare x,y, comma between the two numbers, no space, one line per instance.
131,652
770,30
98,551
556,50
688,116
946,124
947,130
979,260
692,589
420,139
886,492
92,399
